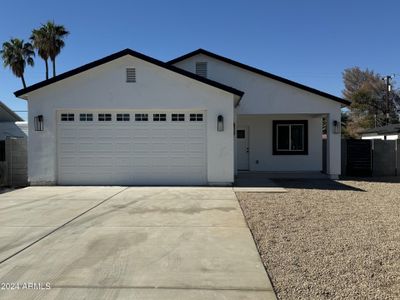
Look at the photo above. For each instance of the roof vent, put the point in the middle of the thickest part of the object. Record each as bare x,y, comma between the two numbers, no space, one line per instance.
201,69
130,75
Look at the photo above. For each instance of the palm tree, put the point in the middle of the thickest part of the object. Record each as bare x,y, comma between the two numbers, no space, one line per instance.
16,54
53,40
41,43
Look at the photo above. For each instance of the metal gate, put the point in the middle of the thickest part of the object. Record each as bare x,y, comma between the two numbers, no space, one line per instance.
359,158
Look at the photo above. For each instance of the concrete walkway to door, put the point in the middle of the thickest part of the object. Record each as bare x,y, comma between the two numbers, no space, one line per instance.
136,243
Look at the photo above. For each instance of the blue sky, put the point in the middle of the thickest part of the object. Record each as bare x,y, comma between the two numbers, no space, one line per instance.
309,41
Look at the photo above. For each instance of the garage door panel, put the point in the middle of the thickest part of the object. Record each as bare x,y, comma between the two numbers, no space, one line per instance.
67,133
160,148
131,152
140,148
86,134
140,130
122,162
122,147
68,147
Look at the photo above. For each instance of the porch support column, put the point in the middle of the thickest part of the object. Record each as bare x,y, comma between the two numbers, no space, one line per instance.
333,146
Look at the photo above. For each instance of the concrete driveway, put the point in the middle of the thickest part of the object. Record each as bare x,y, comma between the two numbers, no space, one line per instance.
136,243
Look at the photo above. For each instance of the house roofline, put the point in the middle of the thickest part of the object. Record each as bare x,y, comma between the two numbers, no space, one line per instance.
383,130
120,54
9,111
260,72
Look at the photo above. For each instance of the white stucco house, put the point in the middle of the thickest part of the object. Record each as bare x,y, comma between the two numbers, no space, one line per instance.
129,119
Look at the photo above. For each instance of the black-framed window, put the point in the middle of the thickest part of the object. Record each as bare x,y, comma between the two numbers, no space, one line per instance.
104,117
68,117
178,117
85,117
196,117
159,117
123,117
290,137
141,117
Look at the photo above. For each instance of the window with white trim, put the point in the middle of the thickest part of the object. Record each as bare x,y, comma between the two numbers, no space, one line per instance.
123,117
178,117
196,117
104,117
141,117
290,137
67,117
159,117
85,117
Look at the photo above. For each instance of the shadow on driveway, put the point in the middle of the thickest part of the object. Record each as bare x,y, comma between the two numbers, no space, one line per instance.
315,184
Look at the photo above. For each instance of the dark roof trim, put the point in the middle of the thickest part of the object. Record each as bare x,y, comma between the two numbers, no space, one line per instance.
118,55
13,115
260,72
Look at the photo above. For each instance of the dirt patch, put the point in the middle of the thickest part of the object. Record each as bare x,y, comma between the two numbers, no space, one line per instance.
329,239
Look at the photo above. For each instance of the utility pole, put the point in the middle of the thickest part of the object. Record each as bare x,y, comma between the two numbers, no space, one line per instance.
387,80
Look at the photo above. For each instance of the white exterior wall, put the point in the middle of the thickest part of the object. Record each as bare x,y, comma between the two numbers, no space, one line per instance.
260,145
380,137
104,88
265,96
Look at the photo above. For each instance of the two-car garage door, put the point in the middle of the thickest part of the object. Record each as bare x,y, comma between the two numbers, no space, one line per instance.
131,148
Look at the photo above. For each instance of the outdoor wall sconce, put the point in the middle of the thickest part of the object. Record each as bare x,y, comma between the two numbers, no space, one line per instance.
336,127
220,123
38,122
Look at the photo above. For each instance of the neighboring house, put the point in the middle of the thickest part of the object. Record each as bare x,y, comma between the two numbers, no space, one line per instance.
13,150
198,119
11,125
13,129
388,132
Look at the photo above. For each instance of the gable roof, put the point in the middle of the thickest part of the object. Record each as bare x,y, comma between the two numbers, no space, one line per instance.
117,55
260,72
391,128
7,115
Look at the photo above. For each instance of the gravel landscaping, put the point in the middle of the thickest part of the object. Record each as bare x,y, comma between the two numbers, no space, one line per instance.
329,239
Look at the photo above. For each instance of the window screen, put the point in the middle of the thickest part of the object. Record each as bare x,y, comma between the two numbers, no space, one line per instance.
296,137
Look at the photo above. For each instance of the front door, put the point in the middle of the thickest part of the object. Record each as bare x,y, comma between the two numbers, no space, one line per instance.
242,136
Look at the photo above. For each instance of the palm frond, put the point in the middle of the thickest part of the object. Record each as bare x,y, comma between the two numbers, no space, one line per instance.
16,54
